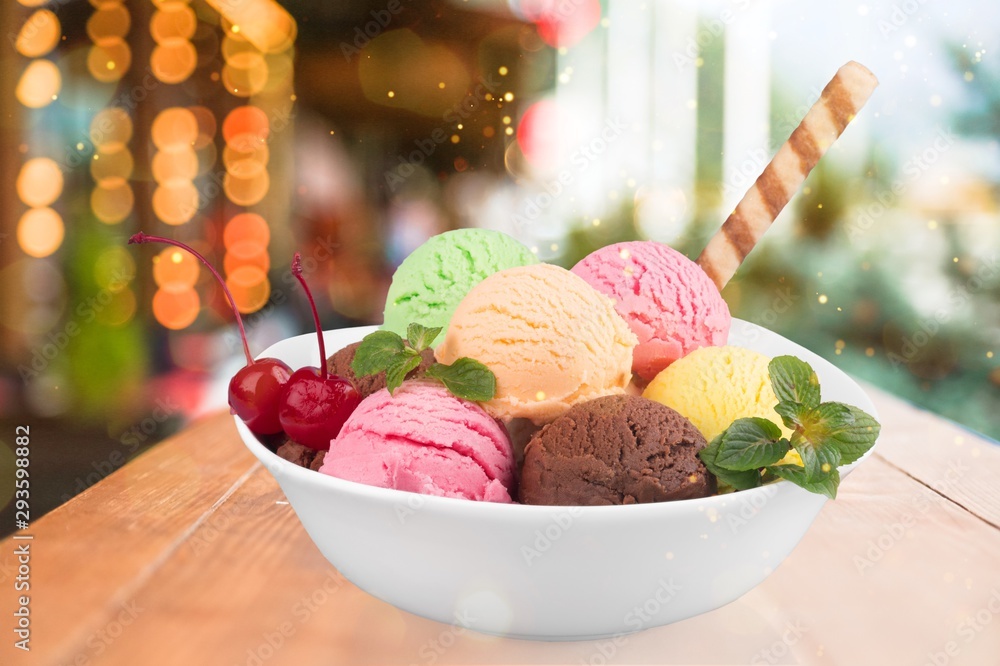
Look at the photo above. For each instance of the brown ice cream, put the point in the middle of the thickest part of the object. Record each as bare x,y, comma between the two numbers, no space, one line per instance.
619,449
340,364
302,456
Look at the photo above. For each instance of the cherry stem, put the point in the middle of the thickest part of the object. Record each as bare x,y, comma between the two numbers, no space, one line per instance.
297,272
141,237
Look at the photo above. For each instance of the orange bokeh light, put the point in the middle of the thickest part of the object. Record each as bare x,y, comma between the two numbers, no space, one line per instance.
171,21
264,23
175,201
112,200
112,163
246,227
39,85
175,270
207,125
246,253
40,232
108,60
176,309
246,191
110,128
173,127
250,288
173,60
179,161
40,182
249,120
110,19
39,34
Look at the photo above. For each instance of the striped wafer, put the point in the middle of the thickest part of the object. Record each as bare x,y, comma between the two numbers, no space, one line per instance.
840,101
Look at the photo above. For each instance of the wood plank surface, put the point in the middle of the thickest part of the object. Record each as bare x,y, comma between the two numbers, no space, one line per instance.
190,555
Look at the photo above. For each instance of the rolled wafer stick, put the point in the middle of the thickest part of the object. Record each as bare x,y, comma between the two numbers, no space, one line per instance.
840,101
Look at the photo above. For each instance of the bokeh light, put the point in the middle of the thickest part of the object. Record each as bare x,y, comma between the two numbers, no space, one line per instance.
250,288
174,126
175,270
39,34
176,309
175,201
112,163
246,253
109,60
173,20
559,27
120,310
264,23
246,191
40,182
114,268
110,128
40,232
179,161
246,227
244,82
109,20
112,200
537,133
245,120
234,156
173,60
39,85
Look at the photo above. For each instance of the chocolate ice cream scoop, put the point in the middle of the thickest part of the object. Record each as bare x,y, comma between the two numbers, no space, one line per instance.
619,449
340,364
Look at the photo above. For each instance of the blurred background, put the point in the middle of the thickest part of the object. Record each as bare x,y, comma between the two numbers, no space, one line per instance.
353,131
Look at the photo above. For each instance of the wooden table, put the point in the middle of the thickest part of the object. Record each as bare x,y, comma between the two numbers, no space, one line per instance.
190,555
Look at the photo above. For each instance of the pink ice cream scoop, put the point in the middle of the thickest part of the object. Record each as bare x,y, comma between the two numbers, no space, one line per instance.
425,440
669,302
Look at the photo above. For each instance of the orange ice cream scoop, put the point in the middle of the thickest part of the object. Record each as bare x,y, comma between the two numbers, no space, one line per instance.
550,338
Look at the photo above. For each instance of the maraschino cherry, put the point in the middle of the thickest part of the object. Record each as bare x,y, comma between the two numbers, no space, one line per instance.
255,391
315,403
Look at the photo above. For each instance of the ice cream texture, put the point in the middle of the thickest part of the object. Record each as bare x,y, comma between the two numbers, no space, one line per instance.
714,386
619,449
668,301
424,440
434,278
551,340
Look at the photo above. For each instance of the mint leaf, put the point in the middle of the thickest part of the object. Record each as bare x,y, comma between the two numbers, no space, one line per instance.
749,444
827,484
421,337
793,380
735,480
855,438
819,456
376,353
791,413
396,373
466,378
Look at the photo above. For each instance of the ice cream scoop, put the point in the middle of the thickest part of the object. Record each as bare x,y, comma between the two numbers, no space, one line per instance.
551,340
714,386
668,301
620,449
424,440
435,277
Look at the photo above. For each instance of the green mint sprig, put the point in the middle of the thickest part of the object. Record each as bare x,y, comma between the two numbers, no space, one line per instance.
825,435
386,351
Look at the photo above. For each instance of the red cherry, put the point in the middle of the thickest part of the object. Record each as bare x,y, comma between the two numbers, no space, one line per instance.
315,404
255,391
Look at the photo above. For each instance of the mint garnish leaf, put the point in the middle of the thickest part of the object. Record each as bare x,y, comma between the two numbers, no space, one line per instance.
385,351
421,337
402,366
376,353
735,480
793,380
825,435
466,378
749,444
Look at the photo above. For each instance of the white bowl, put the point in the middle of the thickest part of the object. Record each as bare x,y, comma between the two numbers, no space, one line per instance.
552,573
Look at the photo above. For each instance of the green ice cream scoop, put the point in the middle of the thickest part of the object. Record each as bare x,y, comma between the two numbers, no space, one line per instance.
430,283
